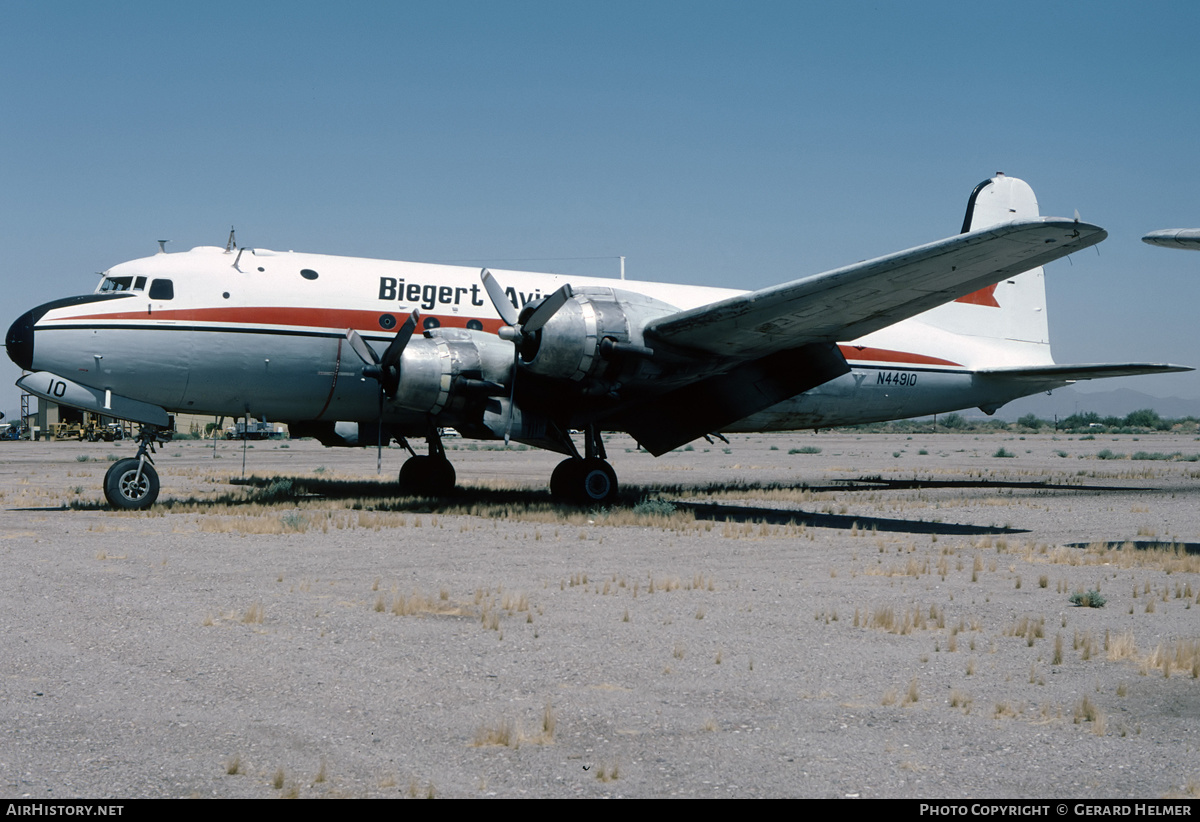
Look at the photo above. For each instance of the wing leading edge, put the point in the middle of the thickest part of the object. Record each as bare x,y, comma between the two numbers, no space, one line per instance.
853,301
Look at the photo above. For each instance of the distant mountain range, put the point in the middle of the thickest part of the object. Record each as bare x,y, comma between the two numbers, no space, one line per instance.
1067,401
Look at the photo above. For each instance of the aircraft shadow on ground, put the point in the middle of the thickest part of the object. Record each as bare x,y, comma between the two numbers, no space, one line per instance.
382,495
1142,545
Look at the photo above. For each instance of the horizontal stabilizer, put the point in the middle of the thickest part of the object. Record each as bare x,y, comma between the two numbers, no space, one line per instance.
1175,238
1087,371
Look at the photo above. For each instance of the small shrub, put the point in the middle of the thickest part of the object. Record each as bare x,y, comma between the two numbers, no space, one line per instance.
294,521
650,506
279,489
1004,453
1091,599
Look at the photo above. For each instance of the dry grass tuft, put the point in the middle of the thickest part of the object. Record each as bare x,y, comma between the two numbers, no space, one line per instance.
1003,710
916,618
1121,646
505,733
1184,656
254,615
1085,711
1028,627
609,773
913,694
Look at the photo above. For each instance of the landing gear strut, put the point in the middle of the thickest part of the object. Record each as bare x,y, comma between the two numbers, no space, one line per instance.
585,481
431,475
131,484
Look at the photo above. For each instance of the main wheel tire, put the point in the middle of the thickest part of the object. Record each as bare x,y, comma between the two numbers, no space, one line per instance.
597,483
428,476
564,481
124,489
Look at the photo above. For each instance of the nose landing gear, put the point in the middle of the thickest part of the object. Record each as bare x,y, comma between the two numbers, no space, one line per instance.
131,484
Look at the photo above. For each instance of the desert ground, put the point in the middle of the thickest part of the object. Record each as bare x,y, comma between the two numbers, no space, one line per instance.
804,615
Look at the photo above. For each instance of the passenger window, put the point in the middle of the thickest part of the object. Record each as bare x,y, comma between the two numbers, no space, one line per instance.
162,290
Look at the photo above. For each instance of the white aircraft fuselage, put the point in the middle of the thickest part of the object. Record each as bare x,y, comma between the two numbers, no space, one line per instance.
266,340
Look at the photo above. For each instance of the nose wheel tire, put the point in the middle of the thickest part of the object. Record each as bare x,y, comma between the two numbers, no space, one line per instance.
427,476
585,482
128,489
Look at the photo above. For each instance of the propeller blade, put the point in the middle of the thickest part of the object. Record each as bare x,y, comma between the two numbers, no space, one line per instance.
499,299
365,352
379,436
512,393
516,331
391,357
547,308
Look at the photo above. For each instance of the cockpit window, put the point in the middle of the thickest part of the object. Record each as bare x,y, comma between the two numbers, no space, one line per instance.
111,285
116,284
162,290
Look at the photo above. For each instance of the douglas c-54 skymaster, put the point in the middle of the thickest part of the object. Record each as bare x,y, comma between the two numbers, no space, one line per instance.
330,346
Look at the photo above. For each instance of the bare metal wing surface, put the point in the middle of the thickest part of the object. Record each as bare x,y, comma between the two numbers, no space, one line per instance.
853,301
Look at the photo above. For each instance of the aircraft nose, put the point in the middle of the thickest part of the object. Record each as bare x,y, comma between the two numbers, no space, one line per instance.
19,341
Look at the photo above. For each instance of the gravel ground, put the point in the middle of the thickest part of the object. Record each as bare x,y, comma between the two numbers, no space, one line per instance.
798,633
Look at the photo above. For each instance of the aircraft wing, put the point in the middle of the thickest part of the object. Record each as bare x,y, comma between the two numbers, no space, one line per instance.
1044,373
849,302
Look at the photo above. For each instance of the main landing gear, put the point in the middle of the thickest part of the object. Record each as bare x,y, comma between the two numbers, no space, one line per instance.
430,475
131,484
589,480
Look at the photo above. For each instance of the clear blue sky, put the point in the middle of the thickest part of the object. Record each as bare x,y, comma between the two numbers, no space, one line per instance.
739,144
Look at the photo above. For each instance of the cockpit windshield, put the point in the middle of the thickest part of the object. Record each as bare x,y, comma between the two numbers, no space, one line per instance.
113,284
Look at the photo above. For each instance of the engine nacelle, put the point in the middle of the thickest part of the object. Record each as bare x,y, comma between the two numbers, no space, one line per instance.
571,345
451,368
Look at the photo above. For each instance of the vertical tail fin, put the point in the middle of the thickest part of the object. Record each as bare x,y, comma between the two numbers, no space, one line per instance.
1008,320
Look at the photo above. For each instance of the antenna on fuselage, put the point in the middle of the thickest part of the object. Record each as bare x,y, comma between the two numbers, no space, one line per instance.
162,246
622,268
231,243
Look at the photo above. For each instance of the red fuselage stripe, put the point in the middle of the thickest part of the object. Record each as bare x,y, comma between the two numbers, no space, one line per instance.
324,318
334,319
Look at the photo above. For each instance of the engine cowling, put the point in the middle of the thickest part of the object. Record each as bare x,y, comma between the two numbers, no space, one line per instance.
576,343
450,369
